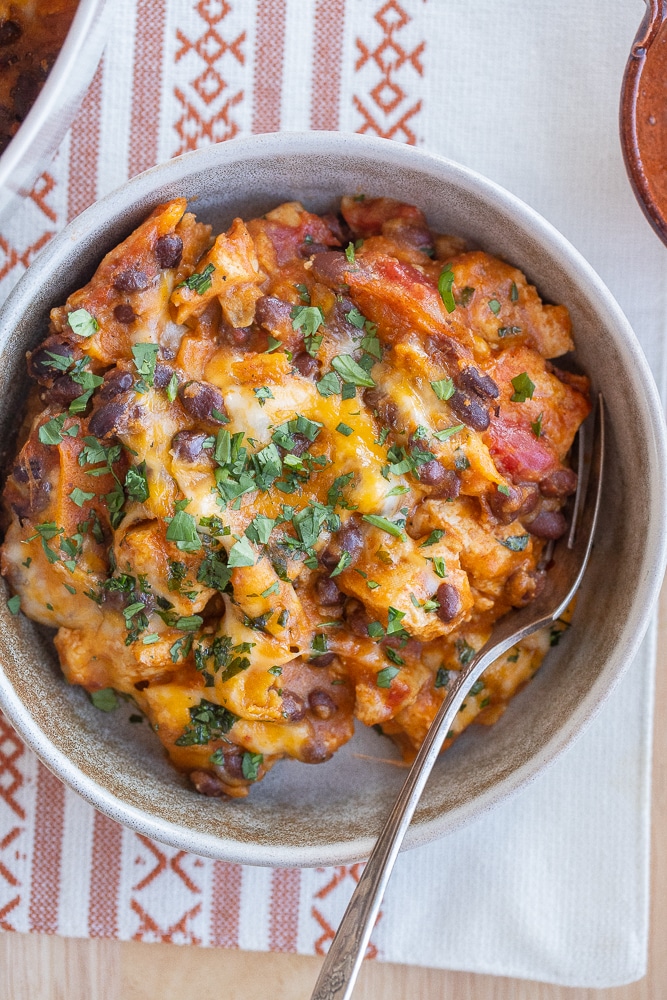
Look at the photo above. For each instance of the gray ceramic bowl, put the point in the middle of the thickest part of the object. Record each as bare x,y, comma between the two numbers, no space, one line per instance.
329,814
39,136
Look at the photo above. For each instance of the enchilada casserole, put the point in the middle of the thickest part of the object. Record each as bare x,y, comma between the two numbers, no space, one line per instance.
288,478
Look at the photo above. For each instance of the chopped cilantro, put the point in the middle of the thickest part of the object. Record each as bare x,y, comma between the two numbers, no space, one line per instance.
52,431
199,283
504,489
464,651
304,295
384,677
350,371
514,292
441,678
445,282
250,765
392,655
385,525
466,295
241,553
207,722
145,358
136,483
439,566
106,699
494,306
262,394
82,323
523,388
448,432
508,331
78,496
434,537
328,385
344,429
444,388
182,529
349,253
515,543
172,388
14,604
308,319
536,426
343,563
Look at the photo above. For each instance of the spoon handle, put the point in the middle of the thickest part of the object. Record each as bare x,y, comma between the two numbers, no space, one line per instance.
339,972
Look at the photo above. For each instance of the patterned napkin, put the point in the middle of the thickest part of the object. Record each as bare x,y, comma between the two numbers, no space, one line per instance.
552,885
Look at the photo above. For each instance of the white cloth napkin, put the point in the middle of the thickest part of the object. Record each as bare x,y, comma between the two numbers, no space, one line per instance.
553,884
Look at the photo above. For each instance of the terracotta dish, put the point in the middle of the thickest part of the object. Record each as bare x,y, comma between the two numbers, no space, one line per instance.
331,813
643,117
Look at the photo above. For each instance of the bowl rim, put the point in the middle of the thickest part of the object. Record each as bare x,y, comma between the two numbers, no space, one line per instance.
135,194
63,69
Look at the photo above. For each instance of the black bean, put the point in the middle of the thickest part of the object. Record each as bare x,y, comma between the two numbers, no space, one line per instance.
162,375
356,618
207,784
234,763
63,390
293,706
301,444
449,600
24,93
40,361
38,498
115,382
10,31
322,661
308,249
131,280
469,411
330,268
199,399
383,405
327,590
559,483
168,250
34,470
321,704
471,379
348,539
338,227
105,421
508,507
548,524
446,483
306,365
187,445
124,313
271,312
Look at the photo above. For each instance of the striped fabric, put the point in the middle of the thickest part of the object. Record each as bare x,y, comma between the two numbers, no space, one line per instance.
513,90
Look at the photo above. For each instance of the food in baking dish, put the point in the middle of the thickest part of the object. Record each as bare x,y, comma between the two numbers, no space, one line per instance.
31,35
289,478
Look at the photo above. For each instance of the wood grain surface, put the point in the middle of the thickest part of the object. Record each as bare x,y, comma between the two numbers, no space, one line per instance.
38,967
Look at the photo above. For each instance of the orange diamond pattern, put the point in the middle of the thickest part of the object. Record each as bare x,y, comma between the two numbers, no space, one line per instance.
203,118
389,109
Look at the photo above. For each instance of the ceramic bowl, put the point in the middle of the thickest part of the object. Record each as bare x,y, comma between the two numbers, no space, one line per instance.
39,136
330,813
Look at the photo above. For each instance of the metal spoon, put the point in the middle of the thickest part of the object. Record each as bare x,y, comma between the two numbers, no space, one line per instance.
341,966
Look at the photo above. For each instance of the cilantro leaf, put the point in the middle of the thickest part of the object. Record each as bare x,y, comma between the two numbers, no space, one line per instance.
523,388
106,699
136,483
385,525
199,283
515,543
308,319
145,358
241,553
82,323
443,388
78,496
445,282
182,529
384,677
350,371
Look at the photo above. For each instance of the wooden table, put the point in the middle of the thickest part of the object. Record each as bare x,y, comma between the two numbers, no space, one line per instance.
37,967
